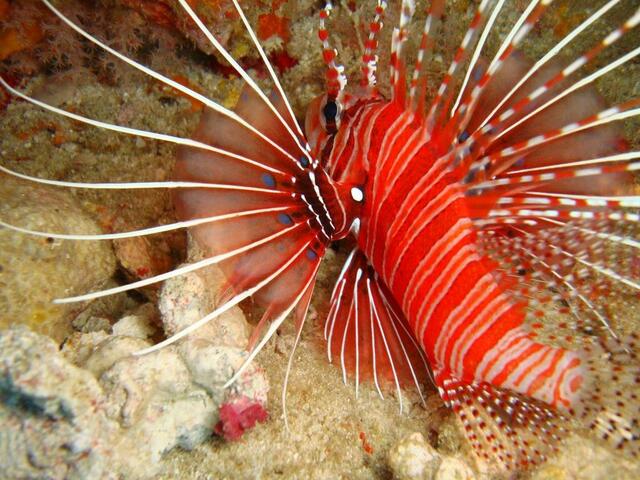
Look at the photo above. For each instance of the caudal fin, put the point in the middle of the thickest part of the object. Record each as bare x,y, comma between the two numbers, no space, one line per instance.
506,430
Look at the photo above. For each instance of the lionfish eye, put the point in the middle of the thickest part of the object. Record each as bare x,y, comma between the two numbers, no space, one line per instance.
357,194
330,113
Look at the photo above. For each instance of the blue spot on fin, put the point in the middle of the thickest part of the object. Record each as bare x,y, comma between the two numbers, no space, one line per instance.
285,219
268,180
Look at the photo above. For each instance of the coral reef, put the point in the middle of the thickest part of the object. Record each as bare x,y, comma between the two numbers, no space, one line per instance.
95,411
239,415
54,421
36,270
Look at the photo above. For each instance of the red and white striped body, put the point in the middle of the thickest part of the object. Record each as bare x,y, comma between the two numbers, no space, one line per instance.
416,231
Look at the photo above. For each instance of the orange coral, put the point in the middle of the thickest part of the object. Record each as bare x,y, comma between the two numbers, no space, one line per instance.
566,19
270,24
196,105
13,40
4,9
16,39
158,12
56,130
163,14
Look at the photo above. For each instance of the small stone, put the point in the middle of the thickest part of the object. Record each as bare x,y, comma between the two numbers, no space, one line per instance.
141,258
94,324
453,468
551,472
104,355
450,439
414,459
134,326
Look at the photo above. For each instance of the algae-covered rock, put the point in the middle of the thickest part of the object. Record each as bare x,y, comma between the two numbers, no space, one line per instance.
36,270
52,413
585,459
96,410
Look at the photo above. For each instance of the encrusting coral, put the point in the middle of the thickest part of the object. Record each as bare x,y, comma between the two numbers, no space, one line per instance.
94,410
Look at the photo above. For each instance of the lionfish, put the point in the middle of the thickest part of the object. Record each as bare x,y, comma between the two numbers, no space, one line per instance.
488,226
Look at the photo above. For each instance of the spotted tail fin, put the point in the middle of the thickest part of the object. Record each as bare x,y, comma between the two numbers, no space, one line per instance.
515,431
507,431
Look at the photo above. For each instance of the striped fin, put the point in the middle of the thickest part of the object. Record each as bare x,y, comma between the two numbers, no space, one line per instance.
369,55
441,102
528,109
246,186
369,335
434,13
576,268
519,31
336,80
397,64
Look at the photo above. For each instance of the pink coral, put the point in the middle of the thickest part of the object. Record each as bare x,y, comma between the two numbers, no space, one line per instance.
238,415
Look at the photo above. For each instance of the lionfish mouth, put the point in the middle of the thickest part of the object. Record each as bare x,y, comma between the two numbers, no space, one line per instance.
476,217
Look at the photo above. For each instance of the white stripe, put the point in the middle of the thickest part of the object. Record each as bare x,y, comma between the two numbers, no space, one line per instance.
476,54
275,324
172,83
386,347
356,336
506,355
226,306
373,339
266,62
430,214
471,335
575,86
537,372
312,177
446,240
478,294
545,355
495,352
399,124
135,132
178,271
550,54
139,185
244,74
449,275
315,214
333,319
144,231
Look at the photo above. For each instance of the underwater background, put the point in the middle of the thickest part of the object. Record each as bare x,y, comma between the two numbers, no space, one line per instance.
73,402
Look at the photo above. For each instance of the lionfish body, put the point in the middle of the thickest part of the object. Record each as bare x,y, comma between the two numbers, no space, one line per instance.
471,219
418,234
